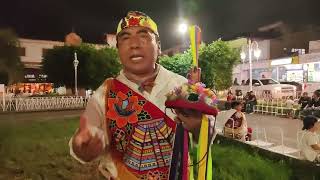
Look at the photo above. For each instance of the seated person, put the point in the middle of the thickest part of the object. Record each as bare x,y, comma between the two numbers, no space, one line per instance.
313,108
230,98
289,105
236,125
243,82
250,102
304,100
309,142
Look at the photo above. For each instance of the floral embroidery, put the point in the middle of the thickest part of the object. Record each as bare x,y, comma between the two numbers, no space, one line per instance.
144,145
134,21
135,18
144,115
119,138
123,109
155,175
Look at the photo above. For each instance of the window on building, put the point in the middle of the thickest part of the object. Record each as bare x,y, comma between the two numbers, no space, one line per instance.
22,51
298,51
314,72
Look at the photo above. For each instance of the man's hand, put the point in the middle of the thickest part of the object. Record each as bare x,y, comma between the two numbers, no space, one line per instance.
87,145
194,75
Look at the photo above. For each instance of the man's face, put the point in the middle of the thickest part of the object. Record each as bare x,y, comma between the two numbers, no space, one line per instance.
138,49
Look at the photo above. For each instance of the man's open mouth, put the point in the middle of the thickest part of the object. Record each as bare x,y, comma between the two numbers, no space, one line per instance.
136,57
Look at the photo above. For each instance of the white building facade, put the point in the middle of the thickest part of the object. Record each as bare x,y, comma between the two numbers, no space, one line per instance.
303,68
31,53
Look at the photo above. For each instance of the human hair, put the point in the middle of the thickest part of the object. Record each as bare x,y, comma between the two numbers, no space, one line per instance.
234,104
308,122
317,93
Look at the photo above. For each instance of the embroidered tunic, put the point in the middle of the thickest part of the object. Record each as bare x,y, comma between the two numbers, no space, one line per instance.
139,134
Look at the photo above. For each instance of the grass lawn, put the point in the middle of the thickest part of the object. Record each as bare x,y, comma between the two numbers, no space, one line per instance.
38,149
230,162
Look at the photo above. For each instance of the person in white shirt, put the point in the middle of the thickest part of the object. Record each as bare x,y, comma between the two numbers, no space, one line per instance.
289,106
310,142
290,102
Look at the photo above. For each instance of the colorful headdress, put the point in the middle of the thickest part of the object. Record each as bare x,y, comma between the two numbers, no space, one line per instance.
193,96
136,18
197,97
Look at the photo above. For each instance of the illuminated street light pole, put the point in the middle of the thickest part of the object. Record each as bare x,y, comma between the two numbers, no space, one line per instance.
256,52
183,28
75,64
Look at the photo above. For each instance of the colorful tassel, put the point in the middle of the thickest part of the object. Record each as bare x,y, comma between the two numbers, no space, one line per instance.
195,40
185,155
203,147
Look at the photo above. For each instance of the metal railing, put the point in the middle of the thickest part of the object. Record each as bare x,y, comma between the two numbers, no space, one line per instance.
17,104
277,107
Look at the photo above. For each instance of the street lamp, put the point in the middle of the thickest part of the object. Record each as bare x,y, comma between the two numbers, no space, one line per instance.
183,28
75,64
253,47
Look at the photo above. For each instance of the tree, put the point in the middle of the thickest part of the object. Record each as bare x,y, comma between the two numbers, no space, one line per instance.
58,65
4,77
102,65
179,63
11,68
94,65
217,61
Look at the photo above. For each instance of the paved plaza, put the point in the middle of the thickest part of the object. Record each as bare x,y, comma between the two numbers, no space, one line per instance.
272,125
269,122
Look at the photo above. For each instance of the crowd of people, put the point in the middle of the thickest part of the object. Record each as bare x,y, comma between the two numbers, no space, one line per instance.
235,125
310,106
234,118
307,105
249,101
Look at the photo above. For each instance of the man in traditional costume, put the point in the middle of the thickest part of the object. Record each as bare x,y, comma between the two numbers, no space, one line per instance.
125,125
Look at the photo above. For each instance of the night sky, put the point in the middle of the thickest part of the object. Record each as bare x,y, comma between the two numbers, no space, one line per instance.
53,19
